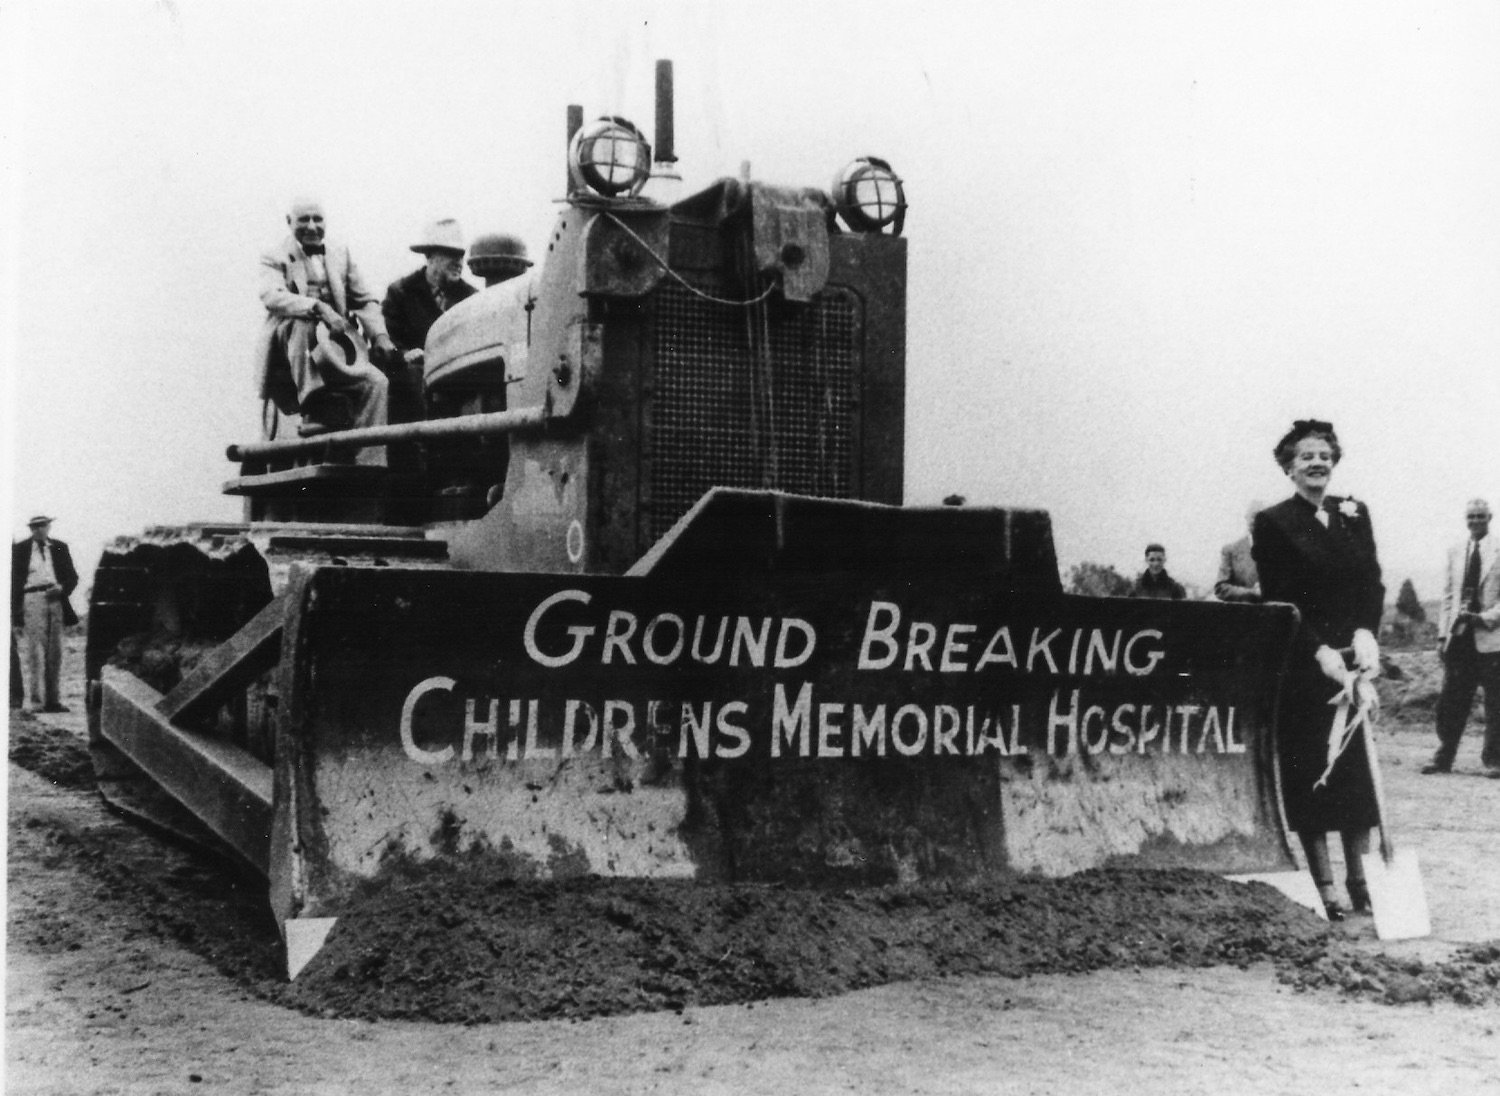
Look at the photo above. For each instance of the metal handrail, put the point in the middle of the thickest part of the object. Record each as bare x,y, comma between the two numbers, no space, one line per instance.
363,437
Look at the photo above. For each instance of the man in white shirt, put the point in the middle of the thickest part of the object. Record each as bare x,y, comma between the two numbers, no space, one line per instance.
41,578
1469,642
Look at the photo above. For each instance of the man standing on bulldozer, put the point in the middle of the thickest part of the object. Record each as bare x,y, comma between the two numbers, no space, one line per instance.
311,359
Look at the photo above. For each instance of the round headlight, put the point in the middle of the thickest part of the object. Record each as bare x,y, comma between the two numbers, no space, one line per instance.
610,157
869,196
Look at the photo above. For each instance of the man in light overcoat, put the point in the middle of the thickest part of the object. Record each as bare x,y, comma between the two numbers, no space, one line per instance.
313,292
1238,579
1469,642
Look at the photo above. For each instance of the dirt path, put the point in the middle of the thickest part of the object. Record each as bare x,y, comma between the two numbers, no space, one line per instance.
105,996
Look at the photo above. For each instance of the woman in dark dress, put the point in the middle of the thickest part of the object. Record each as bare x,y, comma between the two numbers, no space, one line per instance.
1317,551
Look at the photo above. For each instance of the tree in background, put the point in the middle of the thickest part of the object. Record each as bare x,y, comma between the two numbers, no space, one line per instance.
1098,580
1409,605
1407,626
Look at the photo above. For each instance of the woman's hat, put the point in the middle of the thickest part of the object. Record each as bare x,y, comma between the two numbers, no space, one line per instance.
441,235
1304,428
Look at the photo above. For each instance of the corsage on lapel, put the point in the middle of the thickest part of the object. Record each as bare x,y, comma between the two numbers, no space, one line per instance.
1349,509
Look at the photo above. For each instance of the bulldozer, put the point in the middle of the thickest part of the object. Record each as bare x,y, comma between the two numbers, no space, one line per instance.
641,598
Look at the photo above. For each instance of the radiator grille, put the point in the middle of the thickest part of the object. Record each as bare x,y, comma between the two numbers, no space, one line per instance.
760,398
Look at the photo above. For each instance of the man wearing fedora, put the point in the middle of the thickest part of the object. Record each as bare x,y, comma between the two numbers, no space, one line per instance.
311,359
41,578
413,304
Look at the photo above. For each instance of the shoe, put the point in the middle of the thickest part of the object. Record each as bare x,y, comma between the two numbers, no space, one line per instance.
1359,898
1436,767
1334,911
56,708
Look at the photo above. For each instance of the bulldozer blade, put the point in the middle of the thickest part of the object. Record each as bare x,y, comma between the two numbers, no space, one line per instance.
225,789
802,729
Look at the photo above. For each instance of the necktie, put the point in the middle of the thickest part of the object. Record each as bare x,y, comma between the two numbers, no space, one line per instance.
1471,578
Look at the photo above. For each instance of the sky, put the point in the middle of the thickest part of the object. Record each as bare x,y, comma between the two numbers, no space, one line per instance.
1143,237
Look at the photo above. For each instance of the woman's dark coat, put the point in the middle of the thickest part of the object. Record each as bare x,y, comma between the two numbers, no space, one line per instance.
1332,576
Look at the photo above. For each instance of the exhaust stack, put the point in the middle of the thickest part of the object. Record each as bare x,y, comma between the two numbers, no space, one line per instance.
665,182
665,151
574,123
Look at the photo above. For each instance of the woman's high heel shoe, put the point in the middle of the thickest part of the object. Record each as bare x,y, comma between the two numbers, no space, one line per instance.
1331,905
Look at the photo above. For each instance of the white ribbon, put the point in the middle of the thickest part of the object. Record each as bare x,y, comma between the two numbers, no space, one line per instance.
1359,694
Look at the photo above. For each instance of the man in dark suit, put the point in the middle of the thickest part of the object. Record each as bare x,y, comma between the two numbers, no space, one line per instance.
17,690
413,304
1154,582
41,578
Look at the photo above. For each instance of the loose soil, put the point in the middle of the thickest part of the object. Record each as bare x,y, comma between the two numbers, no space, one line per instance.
137,966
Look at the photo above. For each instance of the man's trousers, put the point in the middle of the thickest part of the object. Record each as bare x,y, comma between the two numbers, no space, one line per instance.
1464,670
42,633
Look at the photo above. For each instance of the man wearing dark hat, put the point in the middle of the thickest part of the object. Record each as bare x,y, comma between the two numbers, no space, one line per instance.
498,257
311,358
41,578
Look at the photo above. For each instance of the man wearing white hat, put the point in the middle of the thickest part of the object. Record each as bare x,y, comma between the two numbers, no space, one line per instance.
413,303
41,578
310,348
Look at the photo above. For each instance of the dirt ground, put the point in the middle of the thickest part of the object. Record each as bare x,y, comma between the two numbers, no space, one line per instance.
134,967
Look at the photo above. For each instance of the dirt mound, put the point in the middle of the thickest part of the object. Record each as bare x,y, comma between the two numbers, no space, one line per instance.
448,943
1411,694
1471,977
454,946
49,751
158,659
